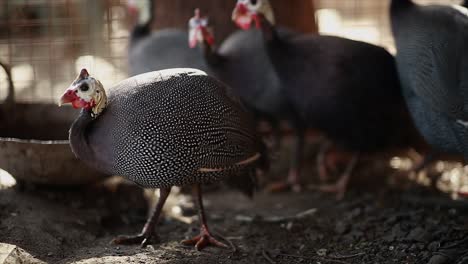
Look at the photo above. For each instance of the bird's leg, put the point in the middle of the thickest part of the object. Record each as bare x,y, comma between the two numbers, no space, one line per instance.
293,180
276,135
204,238
321,162
148,230
340,186
296,161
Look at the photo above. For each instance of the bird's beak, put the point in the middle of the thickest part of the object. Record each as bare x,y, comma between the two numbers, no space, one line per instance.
68,97
240,15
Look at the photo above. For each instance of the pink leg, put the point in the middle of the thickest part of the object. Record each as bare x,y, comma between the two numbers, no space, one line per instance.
293,179
340,186
204,238
321,162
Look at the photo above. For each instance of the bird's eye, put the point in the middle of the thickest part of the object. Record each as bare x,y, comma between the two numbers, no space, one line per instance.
253,2
84,87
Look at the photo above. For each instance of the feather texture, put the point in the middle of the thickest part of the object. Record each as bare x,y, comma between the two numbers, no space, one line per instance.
433,65
160,128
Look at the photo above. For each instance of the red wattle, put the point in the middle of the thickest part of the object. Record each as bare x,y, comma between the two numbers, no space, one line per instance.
242,9
243,25
256,18
80,103
207,36
192,43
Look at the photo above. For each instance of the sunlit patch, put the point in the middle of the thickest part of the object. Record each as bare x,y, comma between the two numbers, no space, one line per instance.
106,72
331,22
23,78
399,163
453,178
6,180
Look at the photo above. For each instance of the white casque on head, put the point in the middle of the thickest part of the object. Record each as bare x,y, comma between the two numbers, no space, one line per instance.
85,88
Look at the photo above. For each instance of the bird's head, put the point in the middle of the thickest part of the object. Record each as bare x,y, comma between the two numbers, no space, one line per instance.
248,11
87,93
199,31
139,10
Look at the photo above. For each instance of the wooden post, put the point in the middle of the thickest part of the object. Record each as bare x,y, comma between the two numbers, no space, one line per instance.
295,14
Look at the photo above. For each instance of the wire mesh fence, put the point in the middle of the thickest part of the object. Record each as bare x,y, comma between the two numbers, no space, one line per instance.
47,41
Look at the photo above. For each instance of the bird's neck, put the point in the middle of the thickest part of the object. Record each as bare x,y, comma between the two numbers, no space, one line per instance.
142,27
212,57
276,47
78,136
270,35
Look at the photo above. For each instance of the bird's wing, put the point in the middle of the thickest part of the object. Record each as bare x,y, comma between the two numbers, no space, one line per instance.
234,149
438,77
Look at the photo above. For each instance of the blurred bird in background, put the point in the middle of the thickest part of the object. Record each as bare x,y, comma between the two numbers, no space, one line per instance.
163,49
242,63
433,68
347,89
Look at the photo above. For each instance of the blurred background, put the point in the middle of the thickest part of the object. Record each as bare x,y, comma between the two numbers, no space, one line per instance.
46,41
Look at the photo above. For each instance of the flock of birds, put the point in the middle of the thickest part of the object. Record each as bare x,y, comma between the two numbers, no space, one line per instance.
163,128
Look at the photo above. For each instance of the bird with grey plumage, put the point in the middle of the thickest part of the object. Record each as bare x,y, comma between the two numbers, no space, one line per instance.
161,129
348,90
432,64
241,62
158,50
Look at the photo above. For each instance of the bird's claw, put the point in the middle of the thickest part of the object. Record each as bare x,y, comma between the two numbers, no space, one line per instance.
283,186
142,239
203,240
338,188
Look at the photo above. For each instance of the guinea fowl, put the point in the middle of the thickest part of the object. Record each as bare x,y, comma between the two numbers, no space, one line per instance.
347,89
242,63
152,51
432,64
161,129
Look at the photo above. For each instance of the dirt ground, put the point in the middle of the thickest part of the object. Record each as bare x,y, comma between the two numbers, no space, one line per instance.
377,222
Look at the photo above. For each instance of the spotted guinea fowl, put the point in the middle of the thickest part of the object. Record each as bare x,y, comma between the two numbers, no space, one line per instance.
242,63
433,63
161,129
163,49
347,89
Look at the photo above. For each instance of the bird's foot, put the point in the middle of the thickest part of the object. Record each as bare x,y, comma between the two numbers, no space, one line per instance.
323,172
339,188
283,186
291,184
204,239
143,239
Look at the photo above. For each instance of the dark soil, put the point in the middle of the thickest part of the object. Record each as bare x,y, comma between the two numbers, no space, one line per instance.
376,222
373,227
